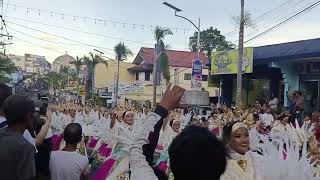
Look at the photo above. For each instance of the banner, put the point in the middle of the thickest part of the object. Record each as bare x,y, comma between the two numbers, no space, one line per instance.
196,78
128,88
227,62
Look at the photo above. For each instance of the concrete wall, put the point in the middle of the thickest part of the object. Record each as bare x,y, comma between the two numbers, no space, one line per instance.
105,75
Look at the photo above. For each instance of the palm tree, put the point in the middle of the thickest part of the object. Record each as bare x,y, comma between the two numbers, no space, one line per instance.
91,63
122,52
55,80
159,35
78,63
64,70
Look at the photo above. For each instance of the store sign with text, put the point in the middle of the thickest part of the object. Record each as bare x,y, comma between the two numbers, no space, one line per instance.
227,62
128,88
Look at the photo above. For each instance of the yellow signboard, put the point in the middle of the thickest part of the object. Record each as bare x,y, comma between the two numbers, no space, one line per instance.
227,62
82,91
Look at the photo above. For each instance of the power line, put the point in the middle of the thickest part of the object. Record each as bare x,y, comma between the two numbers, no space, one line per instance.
85,18
68,39
279,24
260,16
84,32
273,12
44,39
60,52
285,21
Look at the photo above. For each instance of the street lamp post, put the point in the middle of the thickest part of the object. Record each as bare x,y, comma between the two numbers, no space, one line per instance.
176,10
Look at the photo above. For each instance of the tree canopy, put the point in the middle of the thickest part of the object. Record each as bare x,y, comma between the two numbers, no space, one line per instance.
6,68
160,34
210,40
122,51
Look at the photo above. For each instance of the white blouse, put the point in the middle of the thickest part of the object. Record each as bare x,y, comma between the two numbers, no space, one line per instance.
235,172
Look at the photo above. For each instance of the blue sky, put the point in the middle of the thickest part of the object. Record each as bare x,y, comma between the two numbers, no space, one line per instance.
52,41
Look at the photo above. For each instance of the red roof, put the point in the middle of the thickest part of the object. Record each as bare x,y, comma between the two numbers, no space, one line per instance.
142,68
176,58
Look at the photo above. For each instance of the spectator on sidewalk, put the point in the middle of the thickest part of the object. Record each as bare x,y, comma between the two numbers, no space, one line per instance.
16,153
267,118
5,92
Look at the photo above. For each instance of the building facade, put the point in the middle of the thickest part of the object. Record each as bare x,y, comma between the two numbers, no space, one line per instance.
19,61
136,79
280,69
30,63
36,64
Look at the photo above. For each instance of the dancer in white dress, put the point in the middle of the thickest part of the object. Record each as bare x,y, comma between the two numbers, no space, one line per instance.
243,164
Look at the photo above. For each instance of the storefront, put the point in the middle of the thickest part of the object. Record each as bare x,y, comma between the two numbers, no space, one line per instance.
280,69
258,85
310,86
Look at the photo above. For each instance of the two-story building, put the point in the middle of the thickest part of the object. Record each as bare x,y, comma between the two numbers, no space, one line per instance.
136,79
180,67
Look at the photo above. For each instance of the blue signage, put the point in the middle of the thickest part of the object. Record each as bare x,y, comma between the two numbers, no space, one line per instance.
196,74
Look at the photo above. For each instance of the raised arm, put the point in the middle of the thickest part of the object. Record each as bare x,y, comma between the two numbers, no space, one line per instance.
45,128
140,168
113,117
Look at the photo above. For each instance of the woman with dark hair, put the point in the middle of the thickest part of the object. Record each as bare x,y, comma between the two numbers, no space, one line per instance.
243,164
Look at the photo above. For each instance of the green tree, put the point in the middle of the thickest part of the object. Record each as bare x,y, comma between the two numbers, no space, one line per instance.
6,68
64,70
55,80
78,62
210,40
122,52
91,63
159,35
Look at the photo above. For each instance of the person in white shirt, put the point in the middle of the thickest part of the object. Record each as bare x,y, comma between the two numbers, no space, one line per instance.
67,164
267,118
273,103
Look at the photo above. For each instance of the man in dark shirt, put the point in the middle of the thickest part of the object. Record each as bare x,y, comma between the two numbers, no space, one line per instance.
5,91
16,153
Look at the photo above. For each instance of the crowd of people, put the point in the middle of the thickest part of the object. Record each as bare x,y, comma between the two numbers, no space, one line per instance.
68,141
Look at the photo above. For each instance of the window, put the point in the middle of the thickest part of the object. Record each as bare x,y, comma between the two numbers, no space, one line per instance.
137,76
204,77
187,76
147,76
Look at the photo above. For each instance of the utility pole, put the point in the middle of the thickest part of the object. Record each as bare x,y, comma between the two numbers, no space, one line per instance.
157,51
117,80
198,40
197,64
154,73
2,26
241,56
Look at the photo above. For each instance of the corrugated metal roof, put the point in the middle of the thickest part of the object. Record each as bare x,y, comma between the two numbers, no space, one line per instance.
286,51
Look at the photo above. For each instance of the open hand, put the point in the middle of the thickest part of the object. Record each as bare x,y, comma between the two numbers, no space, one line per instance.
171,98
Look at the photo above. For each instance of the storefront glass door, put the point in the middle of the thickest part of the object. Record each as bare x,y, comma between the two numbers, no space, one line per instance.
310,92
